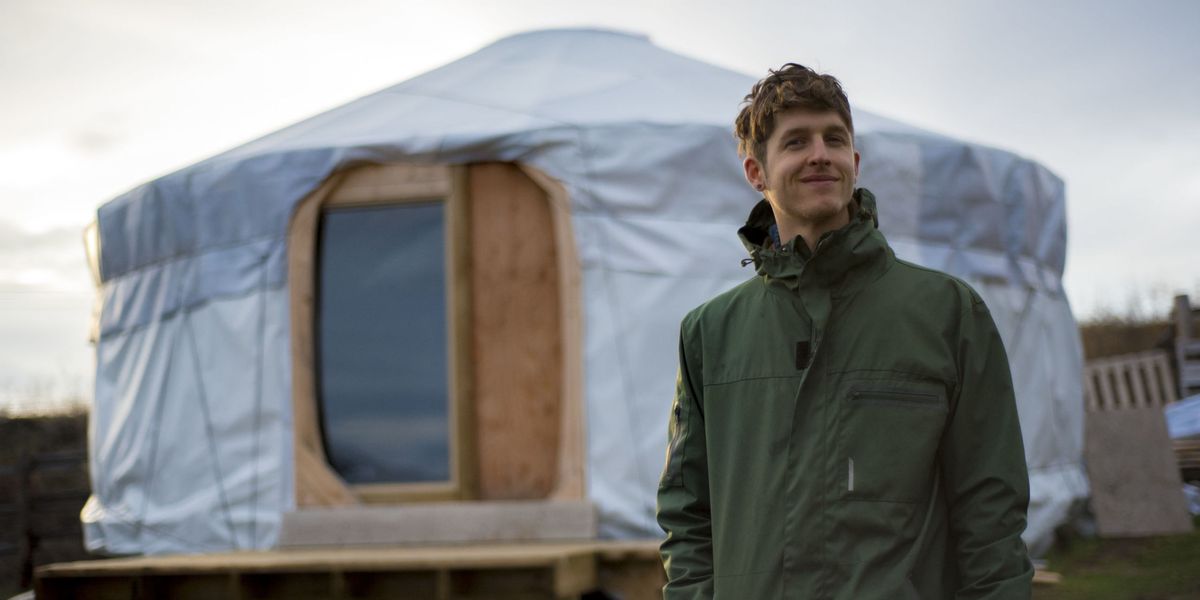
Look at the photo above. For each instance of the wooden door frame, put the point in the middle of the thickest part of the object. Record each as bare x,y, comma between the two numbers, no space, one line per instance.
315,482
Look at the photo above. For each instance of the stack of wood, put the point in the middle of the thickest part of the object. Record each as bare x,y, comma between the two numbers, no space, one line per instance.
1187,357
1187,347
1187,452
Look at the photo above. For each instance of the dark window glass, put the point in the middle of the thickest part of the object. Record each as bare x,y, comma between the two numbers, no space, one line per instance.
382,347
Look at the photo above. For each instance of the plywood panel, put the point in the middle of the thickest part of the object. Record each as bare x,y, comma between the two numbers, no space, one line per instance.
315,482
1136,489
572,471
439,523
517,336
480,556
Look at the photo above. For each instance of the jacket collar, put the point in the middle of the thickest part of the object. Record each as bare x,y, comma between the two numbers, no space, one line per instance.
857,252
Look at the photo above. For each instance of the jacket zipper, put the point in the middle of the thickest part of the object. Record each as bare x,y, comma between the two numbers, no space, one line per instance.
907,399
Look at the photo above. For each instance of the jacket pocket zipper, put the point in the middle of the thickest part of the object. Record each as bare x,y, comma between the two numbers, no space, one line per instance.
906,399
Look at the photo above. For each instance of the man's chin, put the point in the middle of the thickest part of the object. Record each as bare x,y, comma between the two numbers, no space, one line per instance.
824,211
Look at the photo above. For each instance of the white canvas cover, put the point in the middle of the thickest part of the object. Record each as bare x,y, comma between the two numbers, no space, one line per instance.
191,431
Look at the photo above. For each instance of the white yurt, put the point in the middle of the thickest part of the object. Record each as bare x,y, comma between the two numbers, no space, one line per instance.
468,286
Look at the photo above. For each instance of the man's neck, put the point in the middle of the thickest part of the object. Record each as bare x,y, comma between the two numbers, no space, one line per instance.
809,231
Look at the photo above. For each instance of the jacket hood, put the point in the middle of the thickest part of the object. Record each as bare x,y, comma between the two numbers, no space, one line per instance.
850,249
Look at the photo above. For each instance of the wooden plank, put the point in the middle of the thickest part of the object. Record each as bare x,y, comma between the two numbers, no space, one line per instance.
515,322
1184,336
1133,374
1164,379
500,584
1150,373
1108,396
1189,376
315,484
1182,314
443,588
1091,396
372,184
1118,371
631,570
440,523
1187,452
460,245
632,580
347,559
574,574
572,470
1041,577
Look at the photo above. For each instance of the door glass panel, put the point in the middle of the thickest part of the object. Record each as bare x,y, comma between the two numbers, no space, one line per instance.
382,343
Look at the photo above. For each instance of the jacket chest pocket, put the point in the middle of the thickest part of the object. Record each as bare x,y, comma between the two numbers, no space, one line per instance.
888,437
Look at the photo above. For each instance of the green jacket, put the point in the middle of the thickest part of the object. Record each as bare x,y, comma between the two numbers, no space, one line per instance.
843,427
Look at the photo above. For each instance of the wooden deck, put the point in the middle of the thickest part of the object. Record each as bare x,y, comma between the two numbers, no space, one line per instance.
475,572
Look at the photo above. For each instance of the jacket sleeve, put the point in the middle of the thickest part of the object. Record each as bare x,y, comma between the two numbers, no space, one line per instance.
683,501
983,466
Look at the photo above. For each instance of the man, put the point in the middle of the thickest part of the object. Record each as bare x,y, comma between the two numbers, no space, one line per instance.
844,424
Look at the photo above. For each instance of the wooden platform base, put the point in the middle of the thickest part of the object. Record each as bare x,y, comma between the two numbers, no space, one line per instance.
474,522
475,572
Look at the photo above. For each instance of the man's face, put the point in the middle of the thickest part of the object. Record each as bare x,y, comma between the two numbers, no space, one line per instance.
811,167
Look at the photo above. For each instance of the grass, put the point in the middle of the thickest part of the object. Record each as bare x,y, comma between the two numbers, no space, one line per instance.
1159,568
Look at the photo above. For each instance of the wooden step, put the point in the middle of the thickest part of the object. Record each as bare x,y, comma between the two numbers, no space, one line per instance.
439,523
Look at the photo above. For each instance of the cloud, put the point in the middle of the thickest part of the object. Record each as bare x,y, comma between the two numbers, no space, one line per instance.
52,260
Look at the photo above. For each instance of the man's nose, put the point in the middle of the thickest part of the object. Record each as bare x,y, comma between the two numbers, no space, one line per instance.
819,152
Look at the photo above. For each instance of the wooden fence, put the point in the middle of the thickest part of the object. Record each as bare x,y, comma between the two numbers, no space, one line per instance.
1141,380
45,493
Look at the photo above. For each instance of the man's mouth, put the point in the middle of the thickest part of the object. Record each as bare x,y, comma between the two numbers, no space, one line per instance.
818,178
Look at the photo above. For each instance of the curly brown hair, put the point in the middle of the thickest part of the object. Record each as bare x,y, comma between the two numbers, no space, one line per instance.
790,86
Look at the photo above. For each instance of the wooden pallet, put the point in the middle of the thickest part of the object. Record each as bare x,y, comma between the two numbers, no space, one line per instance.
475,572
1128,381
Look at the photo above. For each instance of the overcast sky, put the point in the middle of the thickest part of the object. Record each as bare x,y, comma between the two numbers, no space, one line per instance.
102,95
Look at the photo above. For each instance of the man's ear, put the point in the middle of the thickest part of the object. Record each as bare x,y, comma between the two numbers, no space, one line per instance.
754,173
857,158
